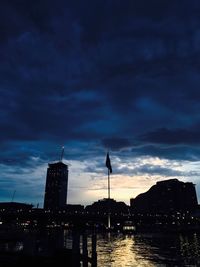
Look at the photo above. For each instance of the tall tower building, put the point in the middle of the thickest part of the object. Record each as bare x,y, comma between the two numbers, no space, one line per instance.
56,186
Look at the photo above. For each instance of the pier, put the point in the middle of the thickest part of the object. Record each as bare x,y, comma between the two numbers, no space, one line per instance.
22,248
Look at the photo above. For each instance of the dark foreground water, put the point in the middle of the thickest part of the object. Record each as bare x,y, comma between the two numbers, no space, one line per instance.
138,250
117,250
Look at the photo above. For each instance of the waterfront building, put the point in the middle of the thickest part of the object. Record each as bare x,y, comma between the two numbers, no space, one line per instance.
56,186
166,197
15,206
103,205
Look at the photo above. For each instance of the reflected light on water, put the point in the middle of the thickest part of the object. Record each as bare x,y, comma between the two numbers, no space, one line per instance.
120,251
190,250
145,249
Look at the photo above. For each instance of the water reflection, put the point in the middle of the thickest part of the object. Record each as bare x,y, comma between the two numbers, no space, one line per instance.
119,251
148,250
190,249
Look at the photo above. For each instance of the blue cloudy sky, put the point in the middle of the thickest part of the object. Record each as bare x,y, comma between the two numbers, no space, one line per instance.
98,75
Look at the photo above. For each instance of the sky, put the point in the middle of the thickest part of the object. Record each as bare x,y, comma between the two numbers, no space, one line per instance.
98,76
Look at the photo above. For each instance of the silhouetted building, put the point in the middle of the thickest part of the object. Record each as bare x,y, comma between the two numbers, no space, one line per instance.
74,208
15,206
103,205
165,197
56,186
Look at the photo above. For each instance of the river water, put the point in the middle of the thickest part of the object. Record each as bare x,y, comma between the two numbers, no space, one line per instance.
140,250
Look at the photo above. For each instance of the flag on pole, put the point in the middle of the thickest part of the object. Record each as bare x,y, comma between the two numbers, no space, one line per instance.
108,164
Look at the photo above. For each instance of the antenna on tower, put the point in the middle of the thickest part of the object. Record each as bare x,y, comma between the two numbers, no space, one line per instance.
13,195
62,152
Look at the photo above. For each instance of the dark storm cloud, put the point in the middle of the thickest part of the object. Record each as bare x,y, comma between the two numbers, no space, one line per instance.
169,152
99,74
116,143
173,137
157,170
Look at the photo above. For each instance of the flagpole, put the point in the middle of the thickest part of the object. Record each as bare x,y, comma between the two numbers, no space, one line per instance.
108,184
108,199
108,165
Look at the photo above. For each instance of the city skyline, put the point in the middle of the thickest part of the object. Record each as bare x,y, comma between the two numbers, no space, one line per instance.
104,190
95,76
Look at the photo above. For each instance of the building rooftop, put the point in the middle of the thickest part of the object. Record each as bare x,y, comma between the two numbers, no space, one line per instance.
57,164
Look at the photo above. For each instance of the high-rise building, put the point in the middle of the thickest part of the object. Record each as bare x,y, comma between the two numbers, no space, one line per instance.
56,186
